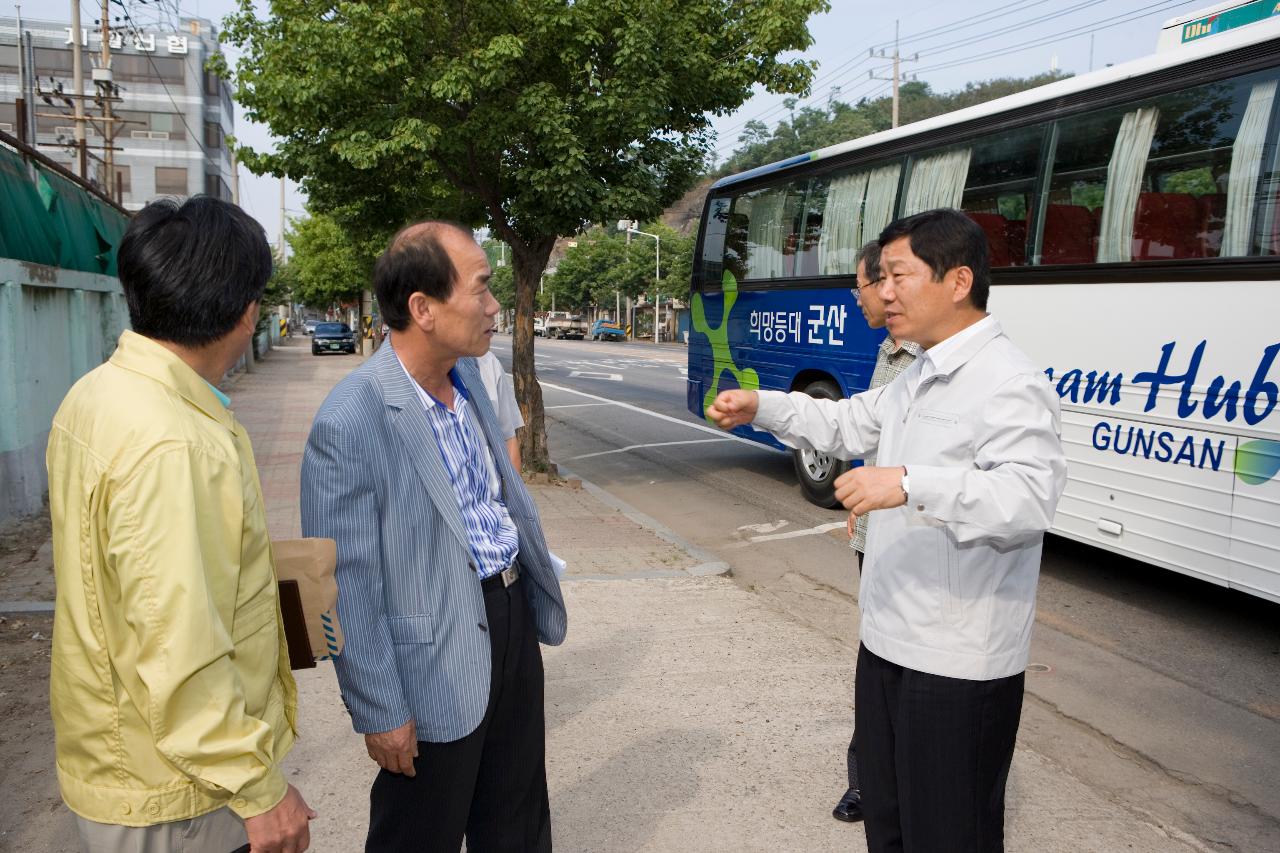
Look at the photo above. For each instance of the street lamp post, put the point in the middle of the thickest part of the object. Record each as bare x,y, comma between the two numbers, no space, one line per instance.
629,227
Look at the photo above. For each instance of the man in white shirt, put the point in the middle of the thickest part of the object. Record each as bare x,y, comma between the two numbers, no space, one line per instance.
970,469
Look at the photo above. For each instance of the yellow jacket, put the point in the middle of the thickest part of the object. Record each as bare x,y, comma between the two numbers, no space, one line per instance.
170,690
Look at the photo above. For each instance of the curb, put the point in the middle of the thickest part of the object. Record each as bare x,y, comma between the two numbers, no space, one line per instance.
26,606
708,565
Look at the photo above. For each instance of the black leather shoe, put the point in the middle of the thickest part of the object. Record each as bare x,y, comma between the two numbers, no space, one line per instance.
849,809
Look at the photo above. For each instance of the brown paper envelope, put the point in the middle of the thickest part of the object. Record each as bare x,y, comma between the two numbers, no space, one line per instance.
312,563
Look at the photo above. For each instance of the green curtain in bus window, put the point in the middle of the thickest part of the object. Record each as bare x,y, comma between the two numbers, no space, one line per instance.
937,181
1246,166
1124,184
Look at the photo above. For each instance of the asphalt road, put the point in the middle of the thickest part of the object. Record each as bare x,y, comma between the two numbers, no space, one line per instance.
1162,690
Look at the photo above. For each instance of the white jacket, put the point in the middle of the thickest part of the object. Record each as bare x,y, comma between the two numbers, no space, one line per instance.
949,579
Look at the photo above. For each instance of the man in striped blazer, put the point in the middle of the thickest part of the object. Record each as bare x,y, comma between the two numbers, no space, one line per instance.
445,586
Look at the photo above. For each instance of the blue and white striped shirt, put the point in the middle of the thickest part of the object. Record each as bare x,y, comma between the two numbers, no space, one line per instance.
490,531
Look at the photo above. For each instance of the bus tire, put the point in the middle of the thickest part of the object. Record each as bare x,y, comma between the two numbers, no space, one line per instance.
817,472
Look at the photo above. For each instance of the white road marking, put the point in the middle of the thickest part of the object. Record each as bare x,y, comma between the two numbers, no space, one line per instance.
791,534
574,406
662,417
630,447
590,374
766,527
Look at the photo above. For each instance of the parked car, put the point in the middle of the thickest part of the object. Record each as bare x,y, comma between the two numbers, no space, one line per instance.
333,337
607,330
539,327
309,327
562,324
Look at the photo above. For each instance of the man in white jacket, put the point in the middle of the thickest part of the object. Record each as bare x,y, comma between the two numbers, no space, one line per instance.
969,471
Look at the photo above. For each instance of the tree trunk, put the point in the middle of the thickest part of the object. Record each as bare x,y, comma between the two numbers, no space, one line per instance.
528,262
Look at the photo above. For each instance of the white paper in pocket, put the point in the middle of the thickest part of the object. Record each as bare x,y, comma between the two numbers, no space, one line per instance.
558,564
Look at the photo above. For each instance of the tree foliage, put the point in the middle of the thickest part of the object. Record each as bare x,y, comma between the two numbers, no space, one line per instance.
329,266
534,117
813,127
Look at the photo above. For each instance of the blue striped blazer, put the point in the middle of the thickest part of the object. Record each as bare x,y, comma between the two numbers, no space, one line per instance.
409,602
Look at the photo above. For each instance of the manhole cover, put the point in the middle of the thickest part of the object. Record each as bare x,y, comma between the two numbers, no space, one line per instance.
1039,667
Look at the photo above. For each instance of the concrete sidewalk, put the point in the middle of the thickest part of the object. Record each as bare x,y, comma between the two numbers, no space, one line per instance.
683,713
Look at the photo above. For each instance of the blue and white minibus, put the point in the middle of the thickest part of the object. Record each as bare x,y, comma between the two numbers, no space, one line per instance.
1132,215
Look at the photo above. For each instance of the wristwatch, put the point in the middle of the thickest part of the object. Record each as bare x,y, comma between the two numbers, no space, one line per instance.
906,485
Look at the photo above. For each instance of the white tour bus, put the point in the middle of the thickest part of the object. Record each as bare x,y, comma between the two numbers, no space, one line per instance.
1133,216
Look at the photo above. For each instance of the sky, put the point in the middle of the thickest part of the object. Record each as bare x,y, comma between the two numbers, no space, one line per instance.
956,43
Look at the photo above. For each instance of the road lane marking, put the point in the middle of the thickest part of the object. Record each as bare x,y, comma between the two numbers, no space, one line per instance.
573,406
748,442
766,527
591,374
792,534
630,447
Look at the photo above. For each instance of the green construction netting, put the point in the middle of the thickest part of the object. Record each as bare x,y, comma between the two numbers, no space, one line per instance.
52,221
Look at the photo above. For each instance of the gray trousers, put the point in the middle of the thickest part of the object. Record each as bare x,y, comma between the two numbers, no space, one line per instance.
220,831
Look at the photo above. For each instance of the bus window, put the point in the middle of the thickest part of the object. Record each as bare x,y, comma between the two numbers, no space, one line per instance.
1174,178
708,274
1199,188
764,232
936,180
1077,185
999,189
856,207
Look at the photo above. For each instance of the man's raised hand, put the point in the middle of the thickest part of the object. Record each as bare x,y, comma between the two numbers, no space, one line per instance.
733,408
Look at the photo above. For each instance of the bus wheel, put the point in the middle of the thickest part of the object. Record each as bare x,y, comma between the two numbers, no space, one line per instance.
817,472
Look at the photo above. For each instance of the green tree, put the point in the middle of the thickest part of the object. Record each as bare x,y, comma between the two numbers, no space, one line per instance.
534,117
328,265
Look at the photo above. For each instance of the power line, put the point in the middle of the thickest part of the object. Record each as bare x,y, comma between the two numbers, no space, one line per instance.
1094,26
137,32
1132,15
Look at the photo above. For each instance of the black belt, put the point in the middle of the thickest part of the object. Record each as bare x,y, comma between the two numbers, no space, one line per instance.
502,579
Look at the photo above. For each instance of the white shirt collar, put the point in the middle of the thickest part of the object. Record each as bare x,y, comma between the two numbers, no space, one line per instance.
939,358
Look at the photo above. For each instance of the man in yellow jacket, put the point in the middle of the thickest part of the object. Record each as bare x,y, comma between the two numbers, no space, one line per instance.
172,701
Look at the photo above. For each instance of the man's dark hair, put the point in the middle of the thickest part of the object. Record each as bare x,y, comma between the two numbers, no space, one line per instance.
870,255
190,270
945,239
415,261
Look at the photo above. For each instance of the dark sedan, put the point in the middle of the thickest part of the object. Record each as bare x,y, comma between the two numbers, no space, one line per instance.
333,337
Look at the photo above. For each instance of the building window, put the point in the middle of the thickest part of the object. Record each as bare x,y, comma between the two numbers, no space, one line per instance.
212,84
121,183
171,180
216,187
160,126
212,137
142,68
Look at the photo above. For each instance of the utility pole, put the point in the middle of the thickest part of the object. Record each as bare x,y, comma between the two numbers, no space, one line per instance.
280,240
897,69
20,104
235,179
102,78
77,89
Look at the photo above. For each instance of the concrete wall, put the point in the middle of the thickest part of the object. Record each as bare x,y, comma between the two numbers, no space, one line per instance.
55,326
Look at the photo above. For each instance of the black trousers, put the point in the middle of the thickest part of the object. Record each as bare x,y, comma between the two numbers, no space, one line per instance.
491,785
935,753
851,756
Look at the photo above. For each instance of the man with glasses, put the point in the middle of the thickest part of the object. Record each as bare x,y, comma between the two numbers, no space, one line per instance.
892,358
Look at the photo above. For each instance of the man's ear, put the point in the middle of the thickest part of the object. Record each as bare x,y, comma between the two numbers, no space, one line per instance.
249,319
421,311
961,284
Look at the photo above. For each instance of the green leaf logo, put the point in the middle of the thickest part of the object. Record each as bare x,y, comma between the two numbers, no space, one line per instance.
1257,461
722,358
